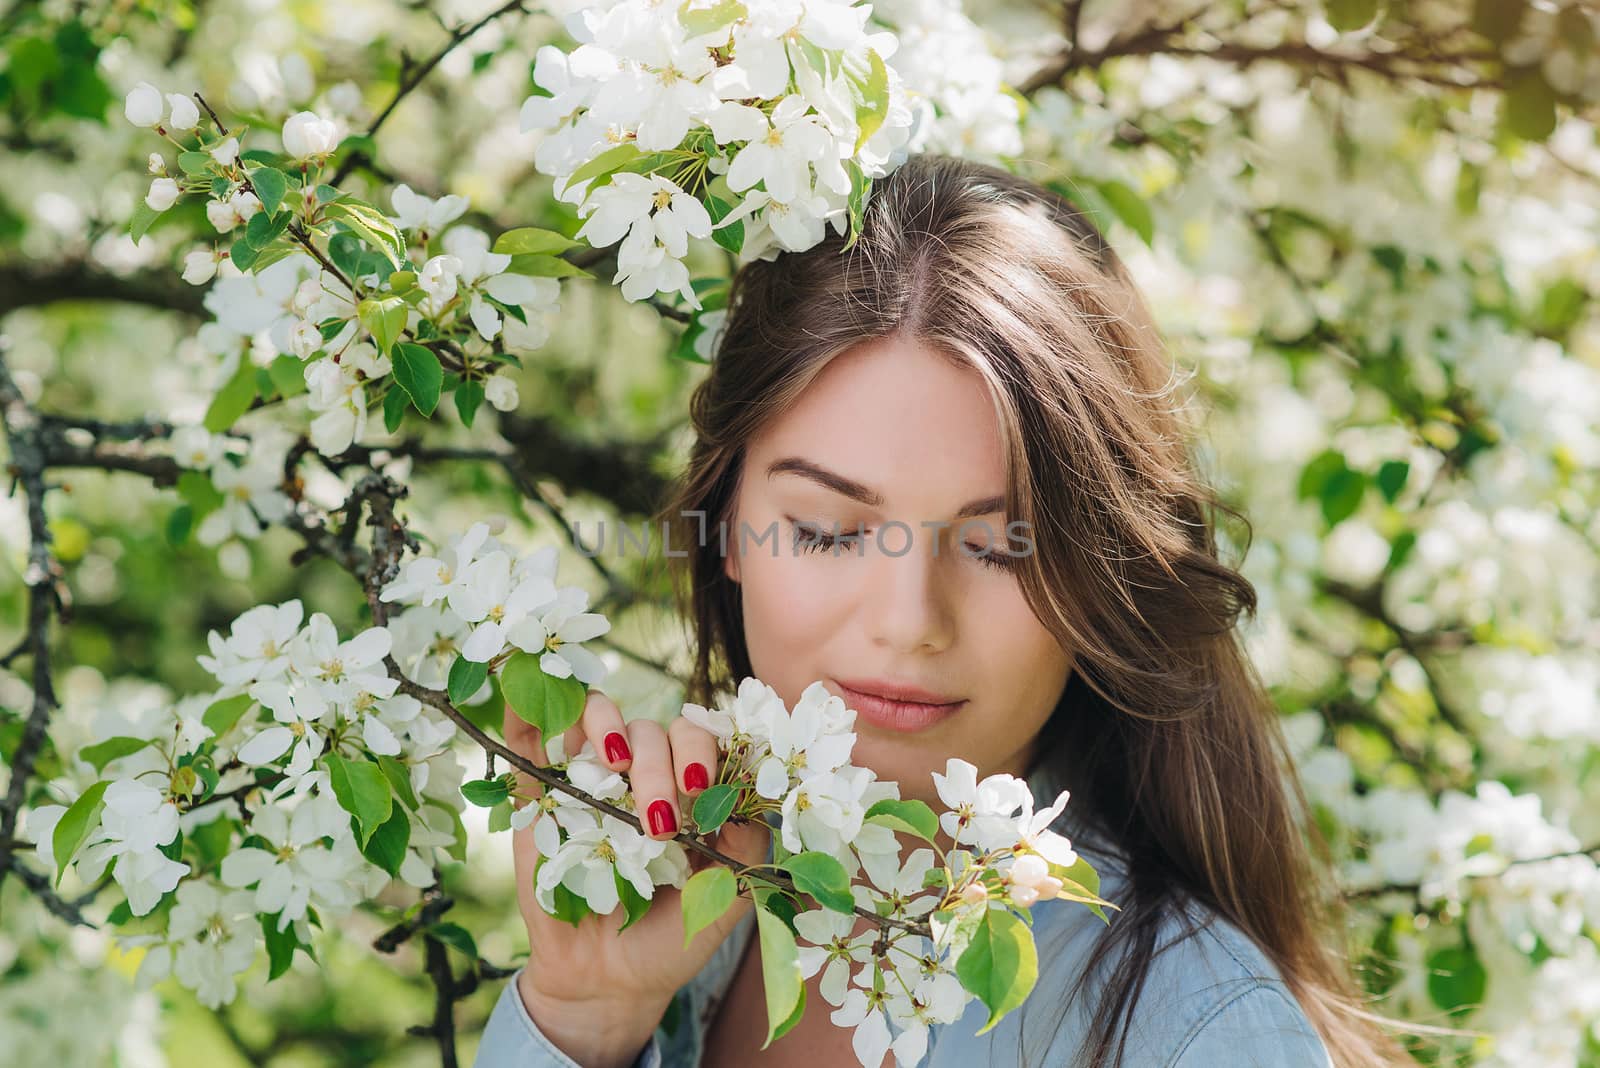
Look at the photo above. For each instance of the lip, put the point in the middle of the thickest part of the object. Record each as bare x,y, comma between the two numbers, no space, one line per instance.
895,706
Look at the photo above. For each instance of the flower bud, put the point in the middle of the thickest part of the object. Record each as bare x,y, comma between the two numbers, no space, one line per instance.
1028,869
306,295
305,339
185,116
306,135
143,105
1024,895
974,894
163,194
227,153
222,215
245,204
501,391
199,266
158,166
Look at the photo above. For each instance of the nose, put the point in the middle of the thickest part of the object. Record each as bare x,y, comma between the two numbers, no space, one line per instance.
908,603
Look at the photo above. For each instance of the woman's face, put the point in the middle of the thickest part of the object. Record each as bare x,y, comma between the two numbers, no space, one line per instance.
891,432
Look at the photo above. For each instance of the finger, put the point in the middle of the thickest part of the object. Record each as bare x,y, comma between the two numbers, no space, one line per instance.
603,727
694,756
651,776
523,739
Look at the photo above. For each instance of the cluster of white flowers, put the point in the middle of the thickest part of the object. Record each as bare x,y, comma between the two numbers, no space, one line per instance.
342,309
250,486
312,781
794,765
775,114
590,852
504,603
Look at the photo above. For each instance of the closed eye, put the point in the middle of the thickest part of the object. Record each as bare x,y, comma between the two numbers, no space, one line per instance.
812,537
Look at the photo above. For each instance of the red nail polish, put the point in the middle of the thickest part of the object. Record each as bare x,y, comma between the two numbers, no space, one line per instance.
662,819
695,777
617,748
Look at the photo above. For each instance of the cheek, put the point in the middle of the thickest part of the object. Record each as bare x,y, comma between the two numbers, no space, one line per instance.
792,601
1023,665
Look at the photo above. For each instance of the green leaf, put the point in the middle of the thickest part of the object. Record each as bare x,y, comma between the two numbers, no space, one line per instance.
223,714
469,396
570,908
386,847
280,945
1330,480
457,938
373,227
271,186
74,824
385,318
1528,109
288,375
706,896
1130,207
194,162
233,399
500,816
549,703
699,21
242,253
180,521
713,806
1456,979
530,240
606,163
913,817
399,780
780,971
871,98
419,374
102,753
1000,964
860,193
144,217
363,791
536,266
486,793
466,678
730,237
823,877
634,904
1392,478
197,490
394,408
1347,15
263,229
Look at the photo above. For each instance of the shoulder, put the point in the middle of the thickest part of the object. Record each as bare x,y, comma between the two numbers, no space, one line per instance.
1211,997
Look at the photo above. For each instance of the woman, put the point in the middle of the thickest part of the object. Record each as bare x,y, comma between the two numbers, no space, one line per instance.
981,354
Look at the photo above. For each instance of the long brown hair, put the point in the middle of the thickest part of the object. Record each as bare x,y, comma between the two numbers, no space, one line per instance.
1164,731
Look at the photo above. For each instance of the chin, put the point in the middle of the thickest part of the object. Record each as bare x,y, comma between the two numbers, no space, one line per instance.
901,760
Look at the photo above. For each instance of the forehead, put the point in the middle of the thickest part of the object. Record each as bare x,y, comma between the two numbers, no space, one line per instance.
900,417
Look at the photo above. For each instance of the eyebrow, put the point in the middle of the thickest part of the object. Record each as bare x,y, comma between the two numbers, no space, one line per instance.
849,487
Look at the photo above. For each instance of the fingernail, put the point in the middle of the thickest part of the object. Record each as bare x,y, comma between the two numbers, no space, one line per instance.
695,777
617,748
662,819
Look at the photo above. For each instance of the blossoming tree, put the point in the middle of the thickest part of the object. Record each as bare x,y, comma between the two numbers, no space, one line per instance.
1356,224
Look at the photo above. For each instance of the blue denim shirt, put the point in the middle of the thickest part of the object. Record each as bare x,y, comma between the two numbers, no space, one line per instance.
1212,1000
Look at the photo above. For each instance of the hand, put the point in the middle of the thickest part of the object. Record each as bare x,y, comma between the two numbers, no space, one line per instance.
595,993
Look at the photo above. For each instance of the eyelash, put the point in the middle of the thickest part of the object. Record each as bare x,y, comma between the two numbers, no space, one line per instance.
818,541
